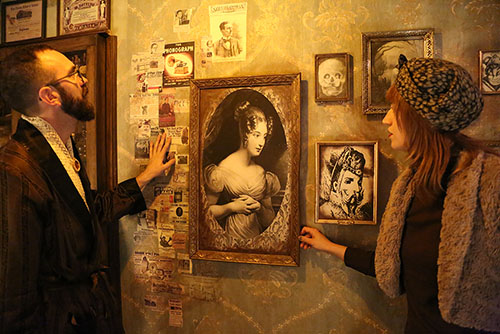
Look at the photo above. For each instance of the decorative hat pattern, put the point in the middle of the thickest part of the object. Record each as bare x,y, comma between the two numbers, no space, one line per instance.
440,91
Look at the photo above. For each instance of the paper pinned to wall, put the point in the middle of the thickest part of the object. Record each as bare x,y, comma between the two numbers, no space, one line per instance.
228,27
179,64
175,313
182,19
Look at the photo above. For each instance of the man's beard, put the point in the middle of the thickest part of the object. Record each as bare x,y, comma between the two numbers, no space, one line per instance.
352,202
79,108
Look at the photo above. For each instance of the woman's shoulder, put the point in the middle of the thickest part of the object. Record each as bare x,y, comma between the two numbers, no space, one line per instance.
230,161
273,183
491,160
213,177
491,169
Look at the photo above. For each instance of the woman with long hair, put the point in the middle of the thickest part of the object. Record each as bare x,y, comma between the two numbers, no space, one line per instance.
439,239
238,189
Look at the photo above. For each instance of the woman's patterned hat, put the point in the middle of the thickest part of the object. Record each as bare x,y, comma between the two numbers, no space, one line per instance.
440,91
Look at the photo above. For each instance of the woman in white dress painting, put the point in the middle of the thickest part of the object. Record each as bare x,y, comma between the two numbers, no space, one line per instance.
238,189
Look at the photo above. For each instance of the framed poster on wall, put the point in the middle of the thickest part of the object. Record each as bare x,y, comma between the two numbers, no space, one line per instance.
244,169
23,20
83,16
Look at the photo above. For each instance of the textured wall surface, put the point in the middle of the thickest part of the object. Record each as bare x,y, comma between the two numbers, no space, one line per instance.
320,296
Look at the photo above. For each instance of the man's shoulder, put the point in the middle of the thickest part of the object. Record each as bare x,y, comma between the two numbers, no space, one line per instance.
16,159
12,151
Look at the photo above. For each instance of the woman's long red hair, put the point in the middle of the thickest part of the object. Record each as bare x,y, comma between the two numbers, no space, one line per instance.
429,150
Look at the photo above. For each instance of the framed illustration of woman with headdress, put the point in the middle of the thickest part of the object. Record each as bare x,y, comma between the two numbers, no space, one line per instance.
244,158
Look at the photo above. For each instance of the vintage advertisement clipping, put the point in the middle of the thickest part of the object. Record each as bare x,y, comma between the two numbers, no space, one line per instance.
228,27
23,21
179,64
83,15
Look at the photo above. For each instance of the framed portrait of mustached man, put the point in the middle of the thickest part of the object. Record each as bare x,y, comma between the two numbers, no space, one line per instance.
346,182
244,159
333,77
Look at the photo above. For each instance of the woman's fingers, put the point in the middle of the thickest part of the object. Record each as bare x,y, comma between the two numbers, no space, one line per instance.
307,230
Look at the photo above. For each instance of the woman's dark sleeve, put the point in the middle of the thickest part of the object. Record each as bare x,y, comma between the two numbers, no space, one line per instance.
125,199
360,260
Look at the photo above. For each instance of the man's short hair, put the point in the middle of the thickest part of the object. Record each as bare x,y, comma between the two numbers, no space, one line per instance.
351,160
21,76
223,25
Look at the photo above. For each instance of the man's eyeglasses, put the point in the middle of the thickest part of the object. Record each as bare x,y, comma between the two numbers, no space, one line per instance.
73,73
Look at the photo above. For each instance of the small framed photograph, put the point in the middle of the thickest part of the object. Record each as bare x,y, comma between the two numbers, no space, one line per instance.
244,155
23,20
81,16
333,77
489,71
381,52
346,182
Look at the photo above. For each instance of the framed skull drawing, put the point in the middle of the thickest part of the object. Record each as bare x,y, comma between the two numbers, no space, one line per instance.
333,79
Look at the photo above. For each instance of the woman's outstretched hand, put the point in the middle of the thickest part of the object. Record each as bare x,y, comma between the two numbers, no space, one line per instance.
156,167
310,237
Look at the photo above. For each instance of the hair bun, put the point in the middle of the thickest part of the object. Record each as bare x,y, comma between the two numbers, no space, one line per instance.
240,110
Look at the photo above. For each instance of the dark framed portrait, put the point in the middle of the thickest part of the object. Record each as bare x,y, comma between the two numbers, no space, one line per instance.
381,52
489,71
23,20
333,77
244,169
346,182
83,16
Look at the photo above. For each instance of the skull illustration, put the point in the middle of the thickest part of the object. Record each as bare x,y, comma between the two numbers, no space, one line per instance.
332,77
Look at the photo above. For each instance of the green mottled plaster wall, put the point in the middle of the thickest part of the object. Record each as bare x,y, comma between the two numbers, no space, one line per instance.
320,296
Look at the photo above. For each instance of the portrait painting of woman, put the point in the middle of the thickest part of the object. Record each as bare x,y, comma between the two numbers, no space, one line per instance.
238,189
244,171
238,179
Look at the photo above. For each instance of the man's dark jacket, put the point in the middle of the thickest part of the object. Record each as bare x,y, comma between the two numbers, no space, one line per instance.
52,249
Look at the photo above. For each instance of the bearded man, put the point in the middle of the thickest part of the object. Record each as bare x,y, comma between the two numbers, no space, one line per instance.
52,272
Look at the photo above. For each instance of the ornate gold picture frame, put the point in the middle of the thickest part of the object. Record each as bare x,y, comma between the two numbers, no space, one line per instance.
244,159
381,52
